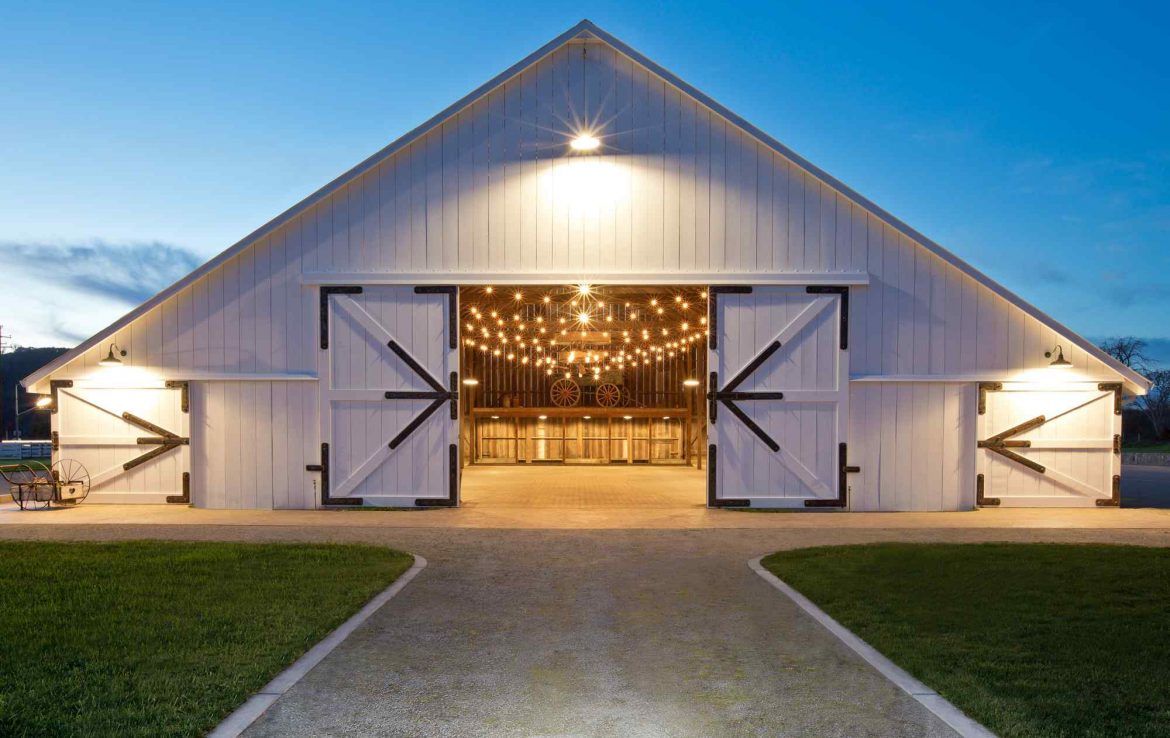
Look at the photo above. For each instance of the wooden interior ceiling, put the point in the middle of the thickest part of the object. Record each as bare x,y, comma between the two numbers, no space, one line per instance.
579,348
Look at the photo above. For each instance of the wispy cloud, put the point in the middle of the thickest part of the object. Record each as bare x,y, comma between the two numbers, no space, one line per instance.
1125,294
1051,273
128,273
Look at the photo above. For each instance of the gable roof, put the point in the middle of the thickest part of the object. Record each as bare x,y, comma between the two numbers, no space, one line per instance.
586,29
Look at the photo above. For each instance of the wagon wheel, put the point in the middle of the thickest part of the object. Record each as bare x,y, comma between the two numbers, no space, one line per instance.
29,487
565,393
608,395
72,479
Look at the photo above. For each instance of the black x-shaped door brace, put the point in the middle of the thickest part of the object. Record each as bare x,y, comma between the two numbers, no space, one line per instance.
1002,444
730,394
437,394
163,438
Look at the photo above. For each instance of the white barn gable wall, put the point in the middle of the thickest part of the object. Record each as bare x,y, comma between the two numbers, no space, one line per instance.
678,192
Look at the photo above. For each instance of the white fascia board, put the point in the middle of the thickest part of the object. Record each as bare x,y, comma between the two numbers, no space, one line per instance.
856,279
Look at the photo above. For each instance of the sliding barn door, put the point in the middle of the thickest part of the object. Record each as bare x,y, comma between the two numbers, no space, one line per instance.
1040,446
132,440
777,396
389,390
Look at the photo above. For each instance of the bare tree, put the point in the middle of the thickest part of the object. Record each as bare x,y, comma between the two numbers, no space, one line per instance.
1128,350
1155,403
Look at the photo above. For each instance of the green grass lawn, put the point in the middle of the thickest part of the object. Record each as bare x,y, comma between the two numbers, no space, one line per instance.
1147,448
164,638
1029,639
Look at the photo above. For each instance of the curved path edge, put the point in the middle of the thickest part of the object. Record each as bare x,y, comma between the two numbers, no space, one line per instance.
927,697
246,714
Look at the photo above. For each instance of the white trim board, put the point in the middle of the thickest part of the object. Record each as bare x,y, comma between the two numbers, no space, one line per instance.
795,279
924,695
249,712
1009,384
586,30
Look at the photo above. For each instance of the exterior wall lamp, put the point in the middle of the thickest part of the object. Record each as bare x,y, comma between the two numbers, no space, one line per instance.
585,142
111,358
1059,362
42,402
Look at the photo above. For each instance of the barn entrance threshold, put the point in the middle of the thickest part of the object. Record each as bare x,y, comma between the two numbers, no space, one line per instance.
583,488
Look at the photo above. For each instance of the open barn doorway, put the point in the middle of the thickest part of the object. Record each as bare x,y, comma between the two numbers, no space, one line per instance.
582,395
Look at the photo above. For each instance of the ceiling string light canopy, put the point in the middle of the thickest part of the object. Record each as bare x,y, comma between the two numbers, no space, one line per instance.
647,345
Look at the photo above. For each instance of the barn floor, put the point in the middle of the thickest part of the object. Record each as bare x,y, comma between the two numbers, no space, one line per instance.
584,487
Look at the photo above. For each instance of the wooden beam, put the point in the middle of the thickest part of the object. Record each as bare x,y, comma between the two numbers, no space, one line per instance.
578,412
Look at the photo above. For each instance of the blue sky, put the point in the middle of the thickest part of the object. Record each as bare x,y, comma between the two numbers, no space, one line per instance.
1033,140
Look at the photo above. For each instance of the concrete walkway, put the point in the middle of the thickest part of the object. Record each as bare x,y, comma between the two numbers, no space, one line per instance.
592,633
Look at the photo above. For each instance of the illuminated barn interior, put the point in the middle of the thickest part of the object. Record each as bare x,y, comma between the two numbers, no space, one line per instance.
583,374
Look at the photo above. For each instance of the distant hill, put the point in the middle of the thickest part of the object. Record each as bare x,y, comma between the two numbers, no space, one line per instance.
14,366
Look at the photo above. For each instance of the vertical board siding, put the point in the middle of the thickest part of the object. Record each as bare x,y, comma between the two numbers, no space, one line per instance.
915,444
250,444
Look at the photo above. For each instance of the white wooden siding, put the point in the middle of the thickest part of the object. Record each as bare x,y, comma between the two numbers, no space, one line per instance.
915,444
250,442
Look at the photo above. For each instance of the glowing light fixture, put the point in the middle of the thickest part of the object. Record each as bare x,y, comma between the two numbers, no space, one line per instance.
690,382
627,417
112,359
470,381
584,289
44,401
585,142
1059,362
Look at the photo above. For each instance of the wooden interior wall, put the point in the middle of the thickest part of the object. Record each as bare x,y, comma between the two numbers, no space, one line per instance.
605,440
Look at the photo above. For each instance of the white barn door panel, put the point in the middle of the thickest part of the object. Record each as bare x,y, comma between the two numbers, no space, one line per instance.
133,441
777,396
389,395
1042,446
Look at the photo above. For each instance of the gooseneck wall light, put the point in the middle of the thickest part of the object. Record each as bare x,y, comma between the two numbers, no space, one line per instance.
112,358
1059,362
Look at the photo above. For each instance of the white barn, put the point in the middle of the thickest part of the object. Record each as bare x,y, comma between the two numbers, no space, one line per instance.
849,361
